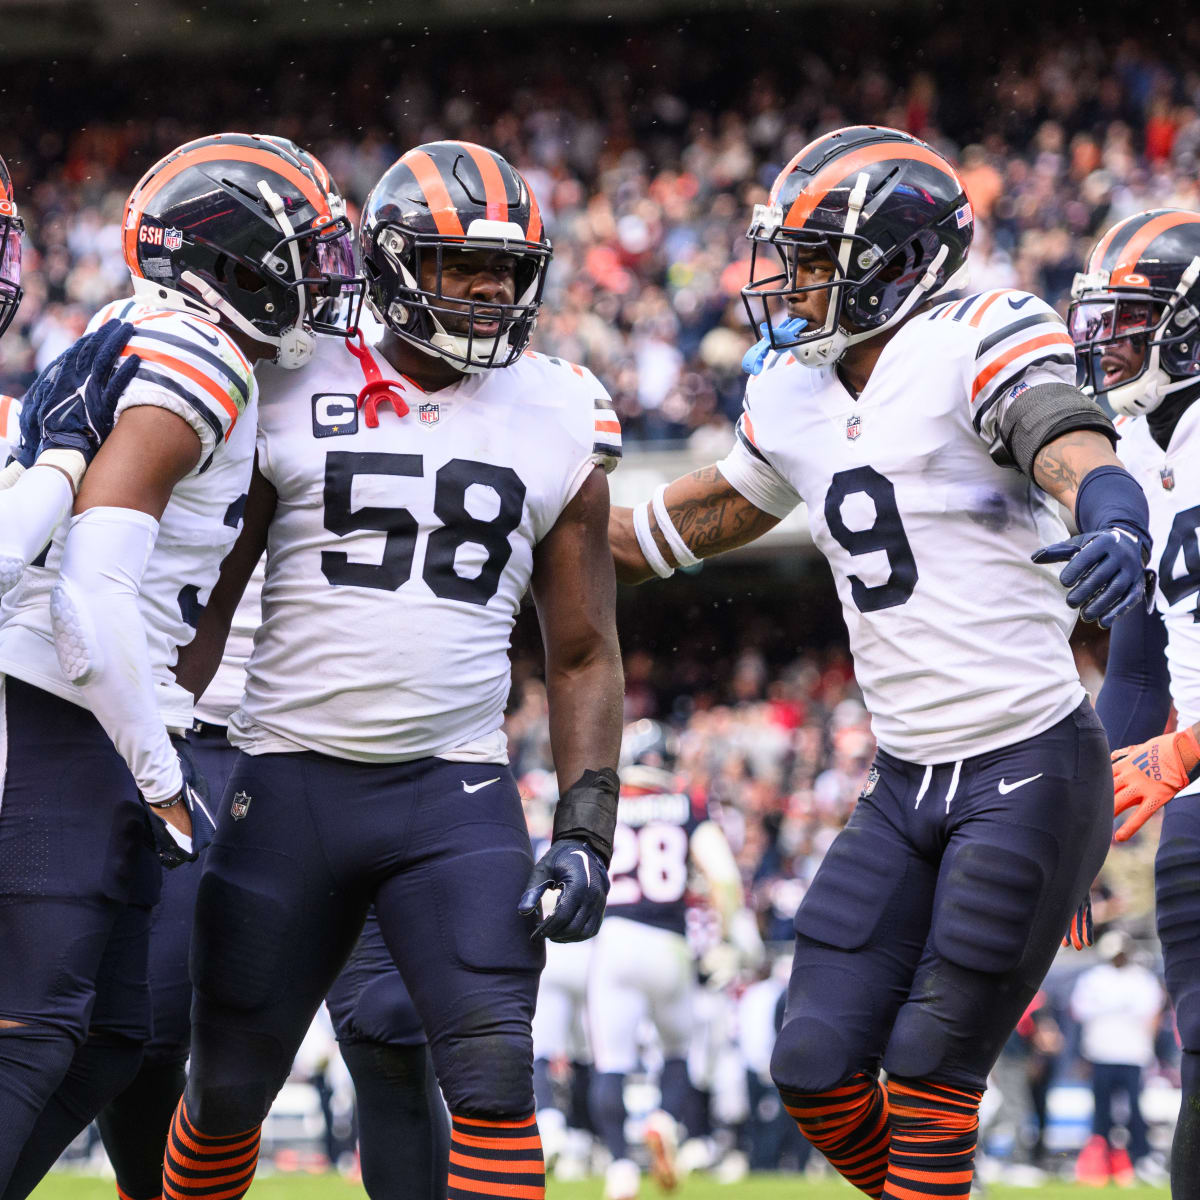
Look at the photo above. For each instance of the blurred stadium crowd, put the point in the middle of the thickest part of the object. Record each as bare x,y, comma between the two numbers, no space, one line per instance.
646,149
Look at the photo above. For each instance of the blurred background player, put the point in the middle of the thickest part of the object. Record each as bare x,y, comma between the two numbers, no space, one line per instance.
222,242
1135,318
915,478
373,765
642,970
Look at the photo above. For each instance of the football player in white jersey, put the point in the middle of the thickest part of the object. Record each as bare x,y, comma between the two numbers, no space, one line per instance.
404,518
923,433
1136,322
643,968
225,240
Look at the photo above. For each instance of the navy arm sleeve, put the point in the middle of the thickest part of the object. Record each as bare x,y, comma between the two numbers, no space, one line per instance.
1135,701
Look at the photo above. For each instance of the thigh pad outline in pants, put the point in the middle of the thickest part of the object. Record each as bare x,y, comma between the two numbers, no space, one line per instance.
1015,869
451,923
1177,899
860,931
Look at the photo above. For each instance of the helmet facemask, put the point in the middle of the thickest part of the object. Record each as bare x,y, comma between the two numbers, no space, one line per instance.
1163,322
446,327
12,228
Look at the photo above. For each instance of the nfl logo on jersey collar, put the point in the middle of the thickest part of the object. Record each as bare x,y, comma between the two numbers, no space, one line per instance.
1167,476
853,427
429,413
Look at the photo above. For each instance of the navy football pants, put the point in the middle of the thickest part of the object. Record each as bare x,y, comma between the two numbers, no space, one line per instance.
939,908
78,877
305,843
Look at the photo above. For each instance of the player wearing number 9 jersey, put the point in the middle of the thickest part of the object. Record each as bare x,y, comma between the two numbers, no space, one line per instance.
408,493
922,432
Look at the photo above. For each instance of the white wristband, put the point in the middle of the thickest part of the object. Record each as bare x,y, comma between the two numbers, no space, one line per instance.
645,540
70,462
683,556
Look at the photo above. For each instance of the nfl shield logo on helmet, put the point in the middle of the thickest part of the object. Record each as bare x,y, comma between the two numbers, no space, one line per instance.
240,806
853,427
429,414
172,239
1167,476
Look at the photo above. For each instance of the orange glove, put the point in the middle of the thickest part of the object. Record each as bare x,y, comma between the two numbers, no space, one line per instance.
1079,932
1145,777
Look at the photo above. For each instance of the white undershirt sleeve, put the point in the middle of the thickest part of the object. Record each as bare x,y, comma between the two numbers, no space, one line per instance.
101,639
30,511
758,481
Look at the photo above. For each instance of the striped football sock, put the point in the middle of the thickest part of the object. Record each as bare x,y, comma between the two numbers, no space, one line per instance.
934,1129
199,1167
849,1125
496,1158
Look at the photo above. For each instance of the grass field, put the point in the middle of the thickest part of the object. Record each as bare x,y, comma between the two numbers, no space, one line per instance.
755,1187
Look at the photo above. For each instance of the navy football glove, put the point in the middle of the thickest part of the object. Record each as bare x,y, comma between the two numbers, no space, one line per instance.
577,870
174,848
70,405
1104,571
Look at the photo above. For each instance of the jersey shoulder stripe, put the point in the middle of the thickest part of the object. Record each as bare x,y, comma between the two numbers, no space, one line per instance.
234,377
1055,347
606,444
172,385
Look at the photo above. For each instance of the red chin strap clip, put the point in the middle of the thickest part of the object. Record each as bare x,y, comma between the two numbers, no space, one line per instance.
376,390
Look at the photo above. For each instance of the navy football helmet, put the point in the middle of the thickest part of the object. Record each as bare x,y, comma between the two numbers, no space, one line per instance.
887,210
453,196
1142,282
237,229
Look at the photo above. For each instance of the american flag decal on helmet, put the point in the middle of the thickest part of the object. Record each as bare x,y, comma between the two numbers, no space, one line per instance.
964,216
606,447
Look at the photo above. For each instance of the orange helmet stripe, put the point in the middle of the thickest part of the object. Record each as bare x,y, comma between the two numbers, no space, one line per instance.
429,180
215,152
493,183
1137,244
1096,261
842,168
534,232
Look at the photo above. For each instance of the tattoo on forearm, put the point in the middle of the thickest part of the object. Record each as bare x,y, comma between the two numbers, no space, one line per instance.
718,518
1060,466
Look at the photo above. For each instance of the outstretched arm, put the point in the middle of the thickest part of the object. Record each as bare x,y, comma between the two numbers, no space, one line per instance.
709,514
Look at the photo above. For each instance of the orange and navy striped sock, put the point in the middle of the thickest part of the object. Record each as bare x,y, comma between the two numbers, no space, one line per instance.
496,1158
934,1130
199,1167
849,1125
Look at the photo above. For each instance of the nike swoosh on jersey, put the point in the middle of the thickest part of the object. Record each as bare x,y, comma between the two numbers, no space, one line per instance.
587,869
1019,303
474,787
1005,788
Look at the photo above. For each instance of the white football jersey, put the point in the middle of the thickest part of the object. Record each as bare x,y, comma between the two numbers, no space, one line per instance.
195,370
224,694
959,640
1171,480
398,555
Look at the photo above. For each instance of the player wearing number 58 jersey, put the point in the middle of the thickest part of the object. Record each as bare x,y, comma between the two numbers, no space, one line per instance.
922,431
408,493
